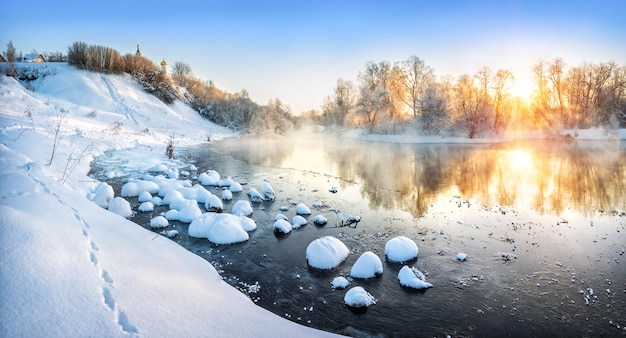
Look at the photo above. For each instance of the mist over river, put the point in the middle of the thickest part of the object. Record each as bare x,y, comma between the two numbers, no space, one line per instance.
542,222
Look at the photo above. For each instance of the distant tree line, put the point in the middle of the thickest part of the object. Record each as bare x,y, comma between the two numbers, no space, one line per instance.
390,97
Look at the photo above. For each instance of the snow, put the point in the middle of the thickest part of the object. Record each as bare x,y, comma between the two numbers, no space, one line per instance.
146,206
282,226
121,207
222,228
88,271
358,297
134,188
302,209
103,195
144,196
211,177
227,195
326,252
214,203
159,222
461,256
280,216
235,187
242,208
413,278
367,266
255,196
268,192
298,221
401,249
320,220
340,282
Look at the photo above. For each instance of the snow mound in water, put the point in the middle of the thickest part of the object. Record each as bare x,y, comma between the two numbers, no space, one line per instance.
210,177
227,195
235,187
326,252
134,188
146,207
298,221
144,196
461,256
222,228
214,203
358,297
283,226
401,249
413,278
159,222
268,192
340,283
255,196
367,266
242,208
320,220
121,207
302,209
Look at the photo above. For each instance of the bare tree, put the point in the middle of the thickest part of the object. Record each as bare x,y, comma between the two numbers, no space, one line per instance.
10,52
501,81
374,99
418,77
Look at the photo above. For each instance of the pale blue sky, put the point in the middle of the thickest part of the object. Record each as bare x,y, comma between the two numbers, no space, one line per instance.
296,50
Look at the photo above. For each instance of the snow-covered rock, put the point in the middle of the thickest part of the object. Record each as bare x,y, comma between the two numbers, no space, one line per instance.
227,195
326,252
340,283
367,266
255,196
146,207
210,177
320,220
159,222
121,207
401,249
358,297
235,187
280,216
242,208
103,195
298,221
302,209
268,192
282,226
221,228
214,203
461,256
144,196
413,278
133,188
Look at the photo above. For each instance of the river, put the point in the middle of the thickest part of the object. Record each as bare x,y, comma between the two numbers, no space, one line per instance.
555,209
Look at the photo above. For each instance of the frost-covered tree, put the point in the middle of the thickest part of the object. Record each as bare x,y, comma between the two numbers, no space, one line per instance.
341,104
374,97
417,78
472,109
501,82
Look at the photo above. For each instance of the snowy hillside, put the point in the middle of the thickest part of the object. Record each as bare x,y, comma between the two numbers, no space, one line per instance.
70,268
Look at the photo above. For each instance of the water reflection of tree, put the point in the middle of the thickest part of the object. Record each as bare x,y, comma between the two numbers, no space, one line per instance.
557,177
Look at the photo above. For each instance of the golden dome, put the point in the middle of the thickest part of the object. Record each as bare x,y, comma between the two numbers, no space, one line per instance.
163,63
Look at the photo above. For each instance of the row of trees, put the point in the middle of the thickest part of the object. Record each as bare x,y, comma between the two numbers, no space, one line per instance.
11,55
407,93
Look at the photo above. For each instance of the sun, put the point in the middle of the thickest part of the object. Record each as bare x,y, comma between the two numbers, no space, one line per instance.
521,89
520,159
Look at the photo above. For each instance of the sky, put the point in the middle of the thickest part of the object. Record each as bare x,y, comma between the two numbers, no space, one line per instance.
296,50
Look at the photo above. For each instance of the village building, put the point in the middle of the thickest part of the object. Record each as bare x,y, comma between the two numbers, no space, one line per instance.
33,58
2,58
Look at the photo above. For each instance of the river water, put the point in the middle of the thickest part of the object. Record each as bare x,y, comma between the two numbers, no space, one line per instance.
555,209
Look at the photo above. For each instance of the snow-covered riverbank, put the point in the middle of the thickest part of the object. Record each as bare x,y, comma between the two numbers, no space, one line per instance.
70,268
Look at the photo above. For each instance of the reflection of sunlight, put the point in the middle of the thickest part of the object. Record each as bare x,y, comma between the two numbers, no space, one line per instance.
520,159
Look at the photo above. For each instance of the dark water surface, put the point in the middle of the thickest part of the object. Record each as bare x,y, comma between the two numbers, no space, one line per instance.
557,209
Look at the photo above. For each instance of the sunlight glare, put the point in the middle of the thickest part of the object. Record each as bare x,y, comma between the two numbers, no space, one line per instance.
520,159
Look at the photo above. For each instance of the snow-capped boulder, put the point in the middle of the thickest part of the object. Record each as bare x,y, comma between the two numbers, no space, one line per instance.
121,207
255,196
144,196
242,208
340,283
159,222
171,196
367,266
133,188
358,297
282,226
320,220
146,207
298,221
103,195
326,252
268,192
280,216
214,203
227,195
210,177
461,256
401,249
221,228
302,209
413,278
156,200
235,187
190,212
